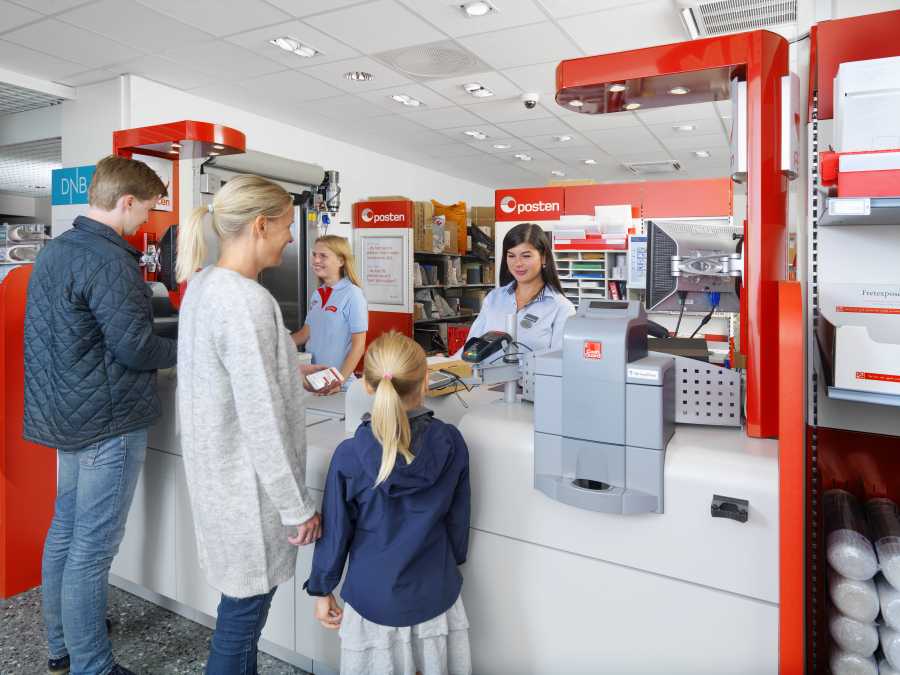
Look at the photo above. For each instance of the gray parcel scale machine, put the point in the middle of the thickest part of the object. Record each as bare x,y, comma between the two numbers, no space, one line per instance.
604,411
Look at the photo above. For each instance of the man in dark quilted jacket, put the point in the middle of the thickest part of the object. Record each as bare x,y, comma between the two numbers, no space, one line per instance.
90,391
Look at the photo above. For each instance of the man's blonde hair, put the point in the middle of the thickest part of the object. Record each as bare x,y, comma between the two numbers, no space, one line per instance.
116,177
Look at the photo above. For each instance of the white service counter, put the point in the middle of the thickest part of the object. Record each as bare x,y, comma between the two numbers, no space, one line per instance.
549,588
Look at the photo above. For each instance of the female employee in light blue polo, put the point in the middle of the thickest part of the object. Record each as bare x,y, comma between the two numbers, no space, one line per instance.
338,317
530,289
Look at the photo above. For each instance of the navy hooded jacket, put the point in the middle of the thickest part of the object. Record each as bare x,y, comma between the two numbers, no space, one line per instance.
406,536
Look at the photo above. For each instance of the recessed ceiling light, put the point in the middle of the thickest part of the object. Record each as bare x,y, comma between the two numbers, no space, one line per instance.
679,91
522,156
563,139
616,88
684,127
294,46
590,161
558,173
478,90
218,147
359,76
631,106
472,86
173,152
478,8
576,103
480,135
213,154
407,100
701,154
502,146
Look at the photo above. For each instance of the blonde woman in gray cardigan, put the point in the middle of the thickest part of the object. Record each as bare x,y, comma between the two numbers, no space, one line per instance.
241,414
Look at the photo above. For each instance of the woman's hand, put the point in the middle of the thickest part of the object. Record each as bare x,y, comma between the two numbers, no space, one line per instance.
328,612
308,532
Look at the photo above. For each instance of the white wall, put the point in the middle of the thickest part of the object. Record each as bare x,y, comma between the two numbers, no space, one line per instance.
362,172
89,121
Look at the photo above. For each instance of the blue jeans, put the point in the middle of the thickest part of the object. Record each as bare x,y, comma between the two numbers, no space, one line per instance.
94,492
239,624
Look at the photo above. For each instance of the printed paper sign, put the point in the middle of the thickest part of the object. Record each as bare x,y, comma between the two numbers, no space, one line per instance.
383,269
163,169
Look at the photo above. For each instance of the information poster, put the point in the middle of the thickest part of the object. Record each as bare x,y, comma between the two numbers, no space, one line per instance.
383,269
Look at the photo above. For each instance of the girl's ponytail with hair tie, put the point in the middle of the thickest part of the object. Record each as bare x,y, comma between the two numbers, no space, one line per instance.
388,376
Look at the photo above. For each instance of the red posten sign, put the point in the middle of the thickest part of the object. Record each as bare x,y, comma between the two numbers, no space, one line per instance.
593,350
382,214
528,204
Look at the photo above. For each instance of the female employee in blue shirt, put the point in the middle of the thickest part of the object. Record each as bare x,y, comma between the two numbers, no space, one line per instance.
338,317
530,289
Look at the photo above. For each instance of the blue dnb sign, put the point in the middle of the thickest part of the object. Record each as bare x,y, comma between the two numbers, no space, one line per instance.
70,186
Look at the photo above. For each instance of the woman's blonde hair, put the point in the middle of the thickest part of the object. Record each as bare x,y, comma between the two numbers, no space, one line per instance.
234,207
340,246
395,368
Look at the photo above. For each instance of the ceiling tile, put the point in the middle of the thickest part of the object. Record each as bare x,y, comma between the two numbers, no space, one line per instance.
535,154
346,107
258,41
454,22
630,157
539,77
563,8
29,62
677,113
720,157
290,86
578,155
12,16
444,118
302,8
452,87
701,127
515,145
71,43
704,142
87,77
223,17
636,139
156,31
526,45
223,59
551,142
584,121
376,26
543,167
494,135
453,150
229,93
507,110
165,71
538,127
382,98
51,6
333,74
630,27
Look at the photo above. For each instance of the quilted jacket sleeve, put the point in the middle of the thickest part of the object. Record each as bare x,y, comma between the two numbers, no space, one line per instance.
118,299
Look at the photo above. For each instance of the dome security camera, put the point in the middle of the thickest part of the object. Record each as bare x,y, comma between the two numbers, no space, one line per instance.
530,100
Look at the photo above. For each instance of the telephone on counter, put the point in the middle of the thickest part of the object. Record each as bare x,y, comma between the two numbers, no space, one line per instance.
477,349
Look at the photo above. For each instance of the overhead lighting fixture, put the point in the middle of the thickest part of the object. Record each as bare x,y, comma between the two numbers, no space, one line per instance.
616,88
560,174
478,90
218,147
479,135
173,152
502,146
701,154
522,156
684,127
590,162
214,154
563,139
576,103
176,146
478,8
359,76
631,106
294,46
679,91
407,100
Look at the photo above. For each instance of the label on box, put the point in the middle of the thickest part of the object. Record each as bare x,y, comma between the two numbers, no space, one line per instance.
878,377
643,374
867,310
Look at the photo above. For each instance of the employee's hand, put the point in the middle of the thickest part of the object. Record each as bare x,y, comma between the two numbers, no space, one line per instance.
328,612
308,369
308,532
332,388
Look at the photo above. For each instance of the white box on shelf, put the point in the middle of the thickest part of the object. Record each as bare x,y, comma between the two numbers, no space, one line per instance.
862,364
866,105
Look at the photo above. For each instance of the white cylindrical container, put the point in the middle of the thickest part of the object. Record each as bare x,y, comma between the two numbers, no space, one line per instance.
884,524
889,601
857,599
847,663
852,635
847,545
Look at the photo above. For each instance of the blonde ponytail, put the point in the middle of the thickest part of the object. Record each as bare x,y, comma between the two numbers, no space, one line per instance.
340,246
234,207
395,368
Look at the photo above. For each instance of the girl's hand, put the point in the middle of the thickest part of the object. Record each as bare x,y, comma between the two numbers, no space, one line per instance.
328,612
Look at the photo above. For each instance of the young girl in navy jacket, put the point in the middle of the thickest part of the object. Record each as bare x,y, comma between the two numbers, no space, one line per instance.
397,501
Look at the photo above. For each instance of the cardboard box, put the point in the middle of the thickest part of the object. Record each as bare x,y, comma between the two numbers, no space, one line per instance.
451,244
423,212
388,198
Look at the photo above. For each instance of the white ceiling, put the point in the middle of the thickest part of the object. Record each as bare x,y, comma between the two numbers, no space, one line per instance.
219,49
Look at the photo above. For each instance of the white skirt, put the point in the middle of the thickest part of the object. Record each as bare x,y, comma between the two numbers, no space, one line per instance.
439,646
